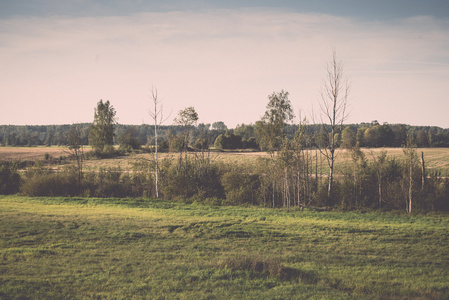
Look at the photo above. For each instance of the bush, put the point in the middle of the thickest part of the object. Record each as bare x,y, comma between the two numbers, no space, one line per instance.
241,187
321,197
228,141
108,152
108,184
436,192
190,177
47,183
9,178
177,179
128,140
250,143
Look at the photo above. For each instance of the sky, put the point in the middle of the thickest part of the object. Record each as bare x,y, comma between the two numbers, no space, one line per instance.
224,58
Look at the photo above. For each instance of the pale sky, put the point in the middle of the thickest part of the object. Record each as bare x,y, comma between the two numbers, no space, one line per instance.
59,58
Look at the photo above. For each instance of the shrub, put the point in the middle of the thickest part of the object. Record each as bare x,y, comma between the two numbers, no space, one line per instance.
250,143
241,187
177,179
108,184
190,177
9,178
228,141
128,140
47,183
108,152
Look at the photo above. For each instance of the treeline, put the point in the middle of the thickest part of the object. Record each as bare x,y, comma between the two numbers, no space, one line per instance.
244,136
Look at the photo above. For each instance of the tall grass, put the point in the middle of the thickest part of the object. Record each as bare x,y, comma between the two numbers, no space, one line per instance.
64,248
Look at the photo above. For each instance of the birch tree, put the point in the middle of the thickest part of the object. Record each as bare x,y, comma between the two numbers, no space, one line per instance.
158,118
334,98
270,131
380,162
411,165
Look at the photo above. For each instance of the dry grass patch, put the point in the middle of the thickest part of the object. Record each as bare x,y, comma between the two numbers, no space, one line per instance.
30,153
436,158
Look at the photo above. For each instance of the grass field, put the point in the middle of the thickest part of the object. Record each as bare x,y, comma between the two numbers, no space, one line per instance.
31,153
74,248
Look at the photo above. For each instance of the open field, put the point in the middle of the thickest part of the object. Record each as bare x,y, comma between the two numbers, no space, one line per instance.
30,153
64,248
436,158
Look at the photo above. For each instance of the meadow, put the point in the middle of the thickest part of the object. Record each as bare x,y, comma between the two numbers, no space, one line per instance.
89,248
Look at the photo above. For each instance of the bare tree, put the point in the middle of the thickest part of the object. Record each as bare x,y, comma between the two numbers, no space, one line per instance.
158,118
334,98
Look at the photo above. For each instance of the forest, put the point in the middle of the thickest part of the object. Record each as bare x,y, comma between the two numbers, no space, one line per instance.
370,134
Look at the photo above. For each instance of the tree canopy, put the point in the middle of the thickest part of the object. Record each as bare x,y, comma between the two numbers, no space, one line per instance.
101,133
271,129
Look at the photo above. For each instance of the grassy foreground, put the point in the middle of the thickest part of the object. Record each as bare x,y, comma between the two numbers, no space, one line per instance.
58,248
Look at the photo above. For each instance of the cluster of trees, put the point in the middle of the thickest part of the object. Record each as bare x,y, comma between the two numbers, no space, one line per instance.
374,135
292,179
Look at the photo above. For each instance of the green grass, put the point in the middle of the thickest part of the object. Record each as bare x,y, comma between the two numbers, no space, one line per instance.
53,248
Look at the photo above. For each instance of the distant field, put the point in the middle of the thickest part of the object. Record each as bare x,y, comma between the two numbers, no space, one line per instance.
75,248
30,153
436,158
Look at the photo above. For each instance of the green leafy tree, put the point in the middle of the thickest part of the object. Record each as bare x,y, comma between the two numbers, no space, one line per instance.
360,137
348,138
271,129
9,178
400,135
228,141
186,118
76,150
219,126
101,133
128,140
250,143
422,138
245,131
372,136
